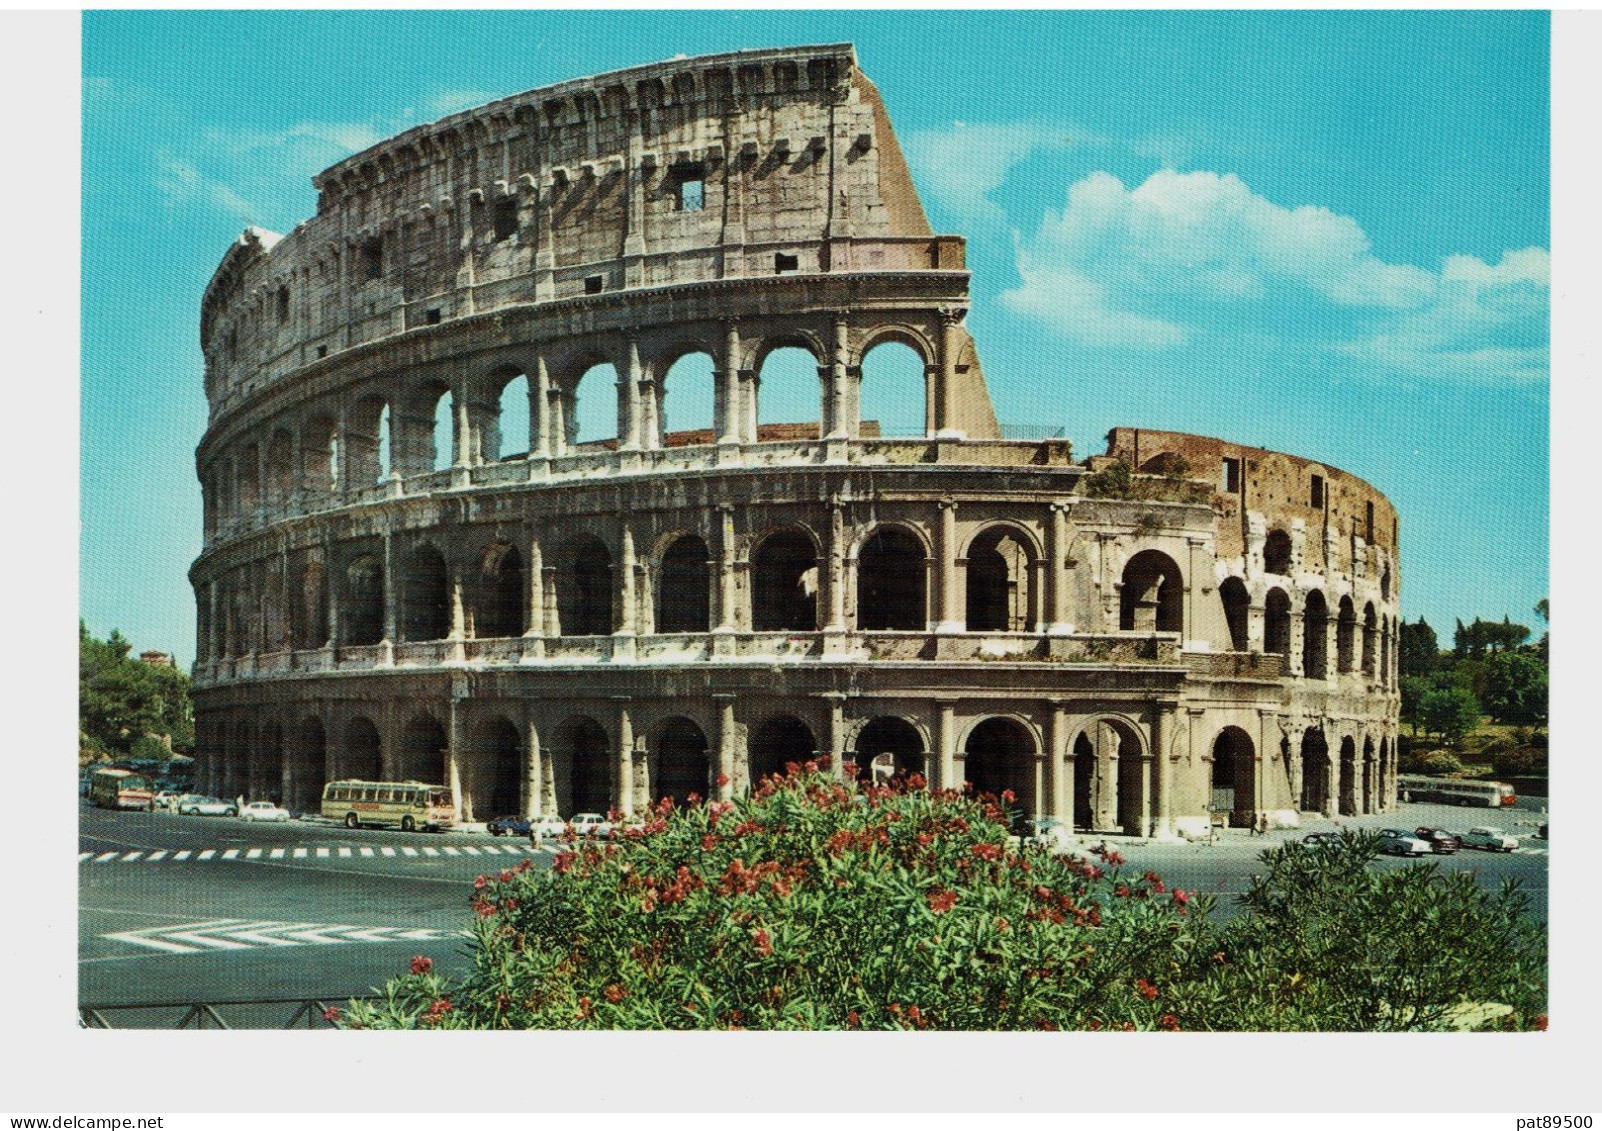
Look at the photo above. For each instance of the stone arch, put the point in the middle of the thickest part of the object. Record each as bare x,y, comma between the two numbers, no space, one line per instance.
418,443
887,746
684,586
688,396
361,603
581,762
779,741
592,406
425,594
1277,623
784,582
1348,777
307,766
1237,612
584,587
423,751
679,760
1385,651
445,440
1002,596
267,764
1345,633
1370,638
1315,636
1234,777
281,468
788,389
365,428
1369,789
1152,595
507,432
501,593
1385,584
1315,792
893,581
1277,552
1111,776
894,389
320,456
361,754
1000,754
308,609
492,776
247,493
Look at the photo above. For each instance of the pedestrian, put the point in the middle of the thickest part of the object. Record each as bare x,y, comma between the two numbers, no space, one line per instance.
1262,826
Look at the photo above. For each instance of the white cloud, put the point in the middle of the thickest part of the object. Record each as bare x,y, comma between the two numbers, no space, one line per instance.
1114,264
961,166
184,184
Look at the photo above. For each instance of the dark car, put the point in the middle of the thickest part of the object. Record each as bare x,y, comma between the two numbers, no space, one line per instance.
502,826
1441,842
1321,838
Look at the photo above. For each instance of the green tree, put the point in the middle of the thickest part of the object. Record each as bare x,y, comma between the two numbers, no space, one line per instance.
1420,651
1414,688
122,699
1450,712
1515,688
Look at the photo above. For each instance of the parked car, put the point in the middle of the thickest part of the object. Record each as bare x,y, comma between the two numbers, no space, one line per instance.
263,811
547,828
511,824
1394,842
195,805
1441,842
591,824
1490,838
1314,839
165,799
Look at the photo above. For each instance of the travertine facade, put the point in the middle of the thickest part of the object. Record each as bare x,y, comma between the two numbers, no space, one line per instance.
583,626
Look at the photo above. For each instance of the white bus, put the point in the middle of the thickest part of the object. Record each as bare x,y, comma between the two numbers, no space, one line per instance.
408,804
1451,791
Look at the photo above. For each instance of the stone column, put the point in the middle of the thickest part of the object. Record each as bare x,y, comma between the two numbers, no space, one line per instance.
1057,571
838,424
458,634
726,398
453,756
553,619
534,630
836,739
463,430
832,569
1106,796
1162,826
946,745
539,422
1059,762
623,632
555,419
628,405
1293,656
533,771
726,597
728,740
952,614
625,758
946,387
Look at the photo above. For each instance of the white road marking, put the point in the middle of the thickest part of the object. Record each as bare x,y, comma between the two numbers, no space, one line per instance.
231,854
430,851
207,854
276,854
253,854
366,851
299,854
408,851
448,852
182,854
82,856
344,852
154,856
470,850
104,857
387,850
132,856
322,853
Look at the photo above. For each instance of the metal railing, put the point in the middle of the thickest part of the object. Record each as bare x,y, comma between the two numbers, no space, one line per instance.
245,1013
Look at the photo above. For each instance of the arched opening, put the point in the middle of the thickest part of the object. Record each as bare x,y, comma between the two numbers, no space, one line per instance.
892,582
425,595
1369,794
498,611
1345,633
582,763
494,778
1370,638
362,757
688,392
1084,781
781,740
789,392
249,473
361,612
1385,584
1000,755
1112,778
281,468
1348,778
1277,623
308,611
267,765
308,767
1385,652
1234,778
1277,552
784,583
999,582
888,746
1152,598
511,419
320,457
443,447
680,765
366,431
1315,772
422,753
683,597
1237,606
1315,637
592,417
893,391
584,588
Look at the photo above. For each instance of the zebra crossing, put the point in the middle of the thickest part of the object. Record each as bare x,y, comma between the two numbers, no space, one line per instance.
316,853
212,935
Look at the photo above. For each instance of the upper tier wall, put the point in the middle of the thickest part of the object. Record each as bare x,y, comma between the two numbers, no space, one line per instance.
747,164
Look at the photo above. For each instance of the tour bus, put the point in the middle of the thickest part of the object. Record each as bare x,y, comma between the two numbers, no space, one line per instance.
1451,791
409,804
120,789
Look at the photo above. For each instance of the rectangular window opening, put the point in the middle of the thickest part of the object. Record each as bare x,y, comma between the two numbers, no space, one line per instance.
1230,480
1316,498
322,351
691,192
1368,520
373,259
594,284
505,218
283,305
431,317
783,263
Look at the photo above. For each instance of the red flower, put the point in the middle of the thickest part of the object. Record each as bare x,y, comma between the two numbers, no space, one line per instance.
1008,796
1115,859
563,863
942,901
1157,886
1122,890
1145,989
331,1014
615,993
479,883
506,877
852,1019
483,908
1169,1022
764,945
1181,896
708,842
422,964
987,851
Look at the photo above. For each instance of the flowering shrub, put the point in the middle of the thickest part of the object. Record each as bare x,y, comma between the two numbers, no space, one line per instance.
816,904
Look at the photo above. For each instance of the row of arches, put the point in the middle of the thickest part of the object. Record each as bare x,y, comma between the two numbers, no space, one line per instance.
586,400
1368,644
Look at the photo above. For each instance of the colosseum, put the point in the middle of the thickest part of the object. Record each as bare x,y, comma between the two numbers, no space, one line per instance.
398,581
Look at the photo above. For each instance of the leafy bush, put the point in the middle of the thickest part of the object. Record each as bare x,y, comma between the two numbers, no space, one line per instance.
815,905
1441,762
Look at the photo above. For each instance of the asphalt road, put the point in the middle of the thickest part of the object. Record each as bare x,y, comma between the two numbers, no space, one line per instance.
186,909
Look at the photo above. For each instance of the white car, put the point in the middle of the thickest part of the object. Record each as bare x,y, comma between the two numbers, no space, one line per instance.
263,811
1490,838
546,828
591,824
1394,842
195,805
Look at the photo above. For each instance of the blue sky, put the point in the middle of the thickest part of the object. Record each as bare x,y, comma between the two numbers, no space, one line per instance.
1323,233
